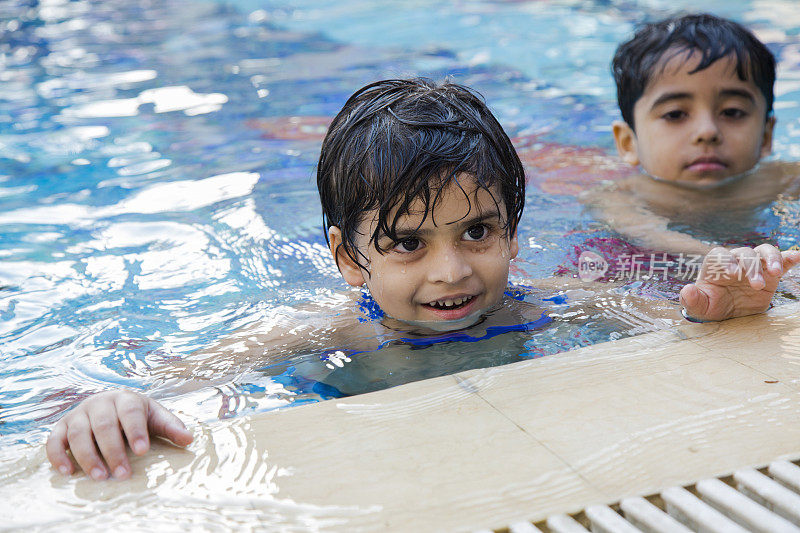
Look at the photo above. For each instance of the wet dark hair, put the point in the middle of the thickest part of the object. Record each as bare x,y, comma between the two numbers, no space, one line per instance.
713,37
396,141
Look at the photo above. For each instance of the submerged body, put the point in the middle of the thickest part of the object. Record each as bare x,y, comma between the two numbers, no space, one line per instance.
644,210
696,97
354,348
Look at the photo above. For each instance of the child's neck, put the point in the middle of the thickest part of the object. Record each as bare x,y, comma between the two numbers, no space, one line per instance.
752,188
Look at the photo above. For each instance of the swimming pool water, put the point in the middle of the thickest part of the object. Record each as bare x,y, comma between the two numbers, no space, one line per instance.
157,162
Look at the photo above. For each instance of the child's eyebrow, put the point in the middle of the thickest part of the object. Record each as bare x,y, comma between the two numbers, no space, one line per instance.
668,97
725,93
493,214
477,219
741,93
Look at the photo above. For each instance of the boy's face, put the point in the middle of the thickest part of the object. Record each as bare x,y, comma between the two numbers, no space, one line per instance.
697,129
444,274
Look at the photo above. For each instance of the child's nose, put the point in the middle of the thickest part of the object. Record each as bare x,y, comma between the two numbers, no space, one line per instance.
450,265
707,130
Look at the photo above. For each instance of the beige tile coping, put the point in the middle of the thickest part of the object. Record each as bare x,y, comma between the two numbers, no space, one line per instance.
480,449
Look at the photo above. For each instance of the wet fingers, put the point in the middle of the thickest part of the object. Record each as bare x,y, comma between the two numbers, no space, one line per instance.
771,259
105,424
719,265
790,258
749,266
694,301
82,446
133,417
56,449
165,424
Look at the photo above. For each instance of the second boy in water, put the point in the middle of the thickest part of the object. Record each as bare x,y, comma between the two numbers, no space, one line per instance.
696,97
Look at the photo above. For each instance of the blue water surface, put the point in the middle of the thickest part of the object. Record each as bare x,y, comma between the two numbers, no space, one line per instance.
157,161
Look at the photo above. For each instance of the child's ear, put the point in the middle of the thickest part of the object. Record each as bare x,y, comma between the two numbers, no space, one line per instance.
766,142
351,272
625,139
513,246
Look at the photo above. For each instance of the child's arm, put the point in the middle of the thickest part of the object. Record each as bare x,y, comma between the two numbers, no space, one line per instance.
627,215
730,284
736,283
265,342
97,430
100,426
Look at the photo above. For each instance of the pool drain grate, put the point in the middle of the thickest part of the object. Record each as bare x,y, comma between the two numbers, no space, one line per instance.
761,500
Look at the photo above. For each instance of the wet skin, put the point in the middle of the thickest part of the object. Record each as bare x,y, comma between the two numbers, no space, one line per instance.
447,268
696,129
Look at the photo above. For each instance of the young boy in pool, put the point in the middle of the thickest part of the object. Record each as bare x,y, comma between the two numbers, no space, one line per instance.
421,194
696,97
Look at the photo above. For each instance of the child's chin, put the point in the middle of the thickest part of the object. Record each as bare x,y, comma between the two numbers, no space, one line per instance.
714,181
447,325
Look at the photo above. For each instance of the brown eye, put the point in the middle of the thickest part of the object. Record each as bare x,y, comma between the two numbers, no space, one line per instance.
673,116
476,232
733,112
408,245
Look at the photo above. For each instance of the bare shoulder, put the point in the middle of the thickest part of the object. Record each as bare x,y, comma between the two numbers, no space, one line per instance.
784,166
608,190
785,175
277,335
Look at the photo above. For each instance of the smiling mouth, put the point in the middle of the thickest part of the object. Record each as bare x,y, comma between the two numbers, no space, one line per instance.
449,305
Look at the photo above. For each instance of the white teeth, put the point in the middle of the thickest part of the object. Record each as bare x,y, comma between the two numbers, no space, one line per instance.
451,303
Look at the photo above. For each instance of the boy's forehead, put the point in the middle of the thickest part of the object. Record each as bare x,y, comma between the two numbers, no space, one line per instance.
456,201
679,64
674,77
462,197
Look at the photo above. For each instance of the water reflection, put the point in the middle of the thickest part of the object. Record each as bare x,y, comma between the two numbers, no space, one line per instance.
224,480
156,172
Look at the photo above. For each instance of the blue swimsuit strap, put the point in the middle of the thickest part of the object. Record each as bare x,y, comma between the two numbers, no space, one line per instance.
374,312
459,336
288,378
